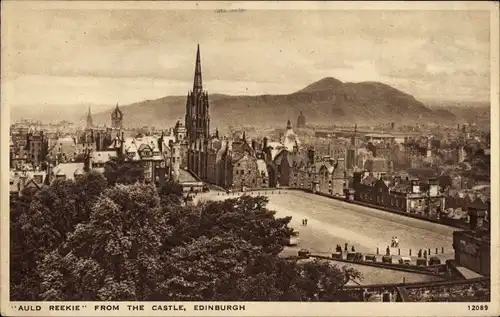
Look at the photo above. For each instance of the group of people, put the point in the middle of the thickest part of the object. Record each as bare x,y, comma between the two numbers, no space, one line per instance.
394,242
304,222
338,248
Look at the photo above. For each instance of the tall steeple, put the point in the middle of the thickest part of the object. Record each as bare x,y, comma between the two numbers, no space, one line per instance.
198,84
353,137
116,117
89,120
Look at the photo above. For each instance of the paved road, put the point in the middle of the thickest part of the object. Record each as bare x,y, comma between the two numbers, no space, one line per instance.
332,222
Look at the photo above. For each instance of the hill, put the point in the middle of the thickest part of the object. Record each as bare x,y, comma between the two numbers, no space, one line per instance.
464,111
326,101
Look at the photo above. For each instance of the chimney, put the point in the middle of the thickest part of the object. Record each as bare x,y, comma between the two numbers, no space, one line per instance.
264,144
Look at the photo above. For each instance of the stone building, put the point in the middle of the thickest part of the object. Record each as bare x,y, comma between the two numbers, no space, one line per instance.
19,147
324,177
214,146
117,118
197,124
243,170
410,196
180,133
37,147
339,177
301,121
263,174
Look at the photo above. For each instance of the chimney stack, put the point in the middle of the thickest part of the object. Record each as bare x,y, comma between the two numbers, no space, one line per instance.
264,144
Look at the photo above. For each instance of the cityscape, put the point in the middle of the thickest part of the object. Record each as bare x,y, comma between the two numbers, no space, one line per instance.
304,207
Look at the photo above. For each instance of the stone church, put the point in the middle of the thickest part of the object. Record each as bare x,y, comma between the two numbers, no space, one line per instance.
197,123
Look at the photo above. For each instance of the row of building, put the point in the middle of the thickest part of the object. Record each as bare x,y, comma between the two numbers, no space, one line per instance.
189,153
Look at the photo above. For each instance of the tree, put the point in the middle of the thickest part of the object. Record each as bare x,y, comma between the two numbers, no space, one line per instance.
205,269
249,219
120,246
53,213
171,193
131,247
21,262
121,171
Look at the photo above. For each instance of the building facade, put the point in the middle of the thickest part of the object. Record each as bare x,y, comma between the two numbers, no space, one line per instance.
197,124
117,118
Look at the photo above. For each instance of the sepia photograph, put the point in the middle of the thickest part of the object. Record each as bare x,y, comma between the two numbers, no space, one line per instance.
202,158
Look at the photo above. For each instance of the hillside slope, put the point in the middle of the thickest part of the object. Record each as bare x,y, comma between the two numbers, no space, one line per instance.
327,101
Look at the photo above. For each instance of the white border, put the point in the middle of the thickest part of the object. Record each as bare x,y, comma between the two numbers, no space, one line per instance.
277,309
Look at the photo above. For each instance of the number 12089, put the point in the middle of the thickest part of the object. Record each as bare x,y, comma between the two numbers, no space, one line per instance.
478,307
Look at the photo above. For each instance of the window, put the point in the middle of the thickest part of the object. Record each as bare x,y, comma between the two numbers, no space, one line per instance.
263,181
239,164
173,159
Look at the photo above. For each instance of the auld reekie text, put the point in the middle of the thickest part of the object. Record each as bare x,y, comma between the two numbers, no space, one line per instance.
51,308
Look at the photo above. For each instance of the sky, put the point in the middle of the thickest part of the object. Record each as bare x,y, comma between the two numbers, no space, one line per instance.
101,57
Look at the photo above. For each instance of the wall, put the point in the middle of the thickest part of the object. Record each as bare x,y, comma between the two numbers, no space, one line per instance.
245,172
471,252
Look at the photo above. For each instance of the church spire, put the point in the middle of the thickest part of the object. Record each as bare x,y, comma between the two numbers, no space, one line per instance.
197,85
353,136
89,120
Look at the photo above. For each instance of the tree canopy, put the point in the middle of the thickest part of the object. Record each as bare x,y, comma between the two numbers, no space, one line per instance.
87,240
122,171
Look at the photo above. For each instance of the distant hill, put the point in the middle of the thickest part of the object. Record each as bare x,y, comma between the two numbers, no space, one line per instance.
464,111
326,101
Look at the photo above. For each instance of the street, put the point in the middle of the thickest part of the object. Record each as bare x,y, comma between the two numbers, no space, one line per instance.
332,222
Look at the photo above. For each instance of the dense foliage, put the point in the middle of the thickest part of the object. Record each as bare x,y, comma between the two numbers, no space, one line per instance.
121,171
86,240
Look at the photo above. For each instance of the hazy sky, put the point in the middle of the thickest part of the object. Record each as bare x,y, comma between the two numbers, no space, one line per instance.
107,56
